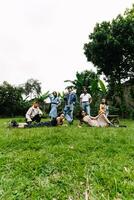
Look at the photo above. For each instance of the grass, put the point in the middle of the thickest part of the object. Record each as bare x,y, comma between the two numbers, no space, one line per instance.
67,163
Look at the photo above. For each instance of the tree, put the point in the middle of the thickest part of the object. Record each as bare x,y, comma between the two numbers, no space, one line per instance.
11,100
32,88
92,82
111,48
41,99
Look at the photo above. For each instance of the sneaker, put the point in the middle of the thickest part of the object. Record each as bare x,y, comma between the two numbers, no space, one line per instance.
13,123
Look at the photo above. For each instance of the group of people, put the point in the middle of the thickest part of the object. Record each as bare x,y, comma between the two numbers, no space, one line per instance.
34,113
70,99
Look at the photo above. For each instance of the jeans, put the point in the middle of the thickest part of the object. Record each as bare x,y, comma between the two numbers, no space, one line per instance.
86,107
68,112
36,118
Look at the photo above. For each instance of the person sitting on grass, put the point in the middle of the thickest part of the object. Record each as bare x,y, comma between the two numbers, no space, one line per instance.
99,121
34,113
59,120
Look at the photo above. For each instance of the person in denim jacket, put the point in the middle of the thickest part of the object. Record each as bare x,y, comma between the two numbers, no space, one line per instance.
70,100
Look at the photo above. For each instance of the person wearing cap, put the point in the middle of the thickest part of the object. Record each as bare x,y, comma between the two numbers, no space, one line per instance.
34,113
85,100
70,100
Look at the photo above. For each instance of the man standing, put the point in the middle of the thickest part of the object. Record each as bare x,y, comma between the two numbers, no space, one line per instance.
70,100
34,113
85,100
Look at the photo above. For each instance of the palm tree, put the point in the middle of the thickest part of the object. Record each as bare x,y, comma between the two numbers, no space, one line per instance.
90,80
95,86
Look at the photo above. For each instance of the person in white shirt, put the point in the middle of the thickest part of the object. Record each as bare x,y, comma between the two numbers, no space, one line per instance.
34,113
85,100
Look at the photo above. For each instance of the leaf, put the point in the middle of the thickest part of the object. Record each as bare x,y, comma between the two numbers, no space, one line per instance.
102,86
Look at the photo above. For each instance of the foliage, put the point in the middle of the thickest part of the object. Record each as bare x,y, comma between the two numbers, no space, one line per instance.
32,88
44,96
67,163
12,103
44,107
102,86
12,98
89,79
94,86
111,50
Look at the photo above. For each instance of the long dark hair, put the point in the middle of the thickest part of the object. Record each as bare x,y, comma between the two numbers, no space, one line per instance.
59,114
80,115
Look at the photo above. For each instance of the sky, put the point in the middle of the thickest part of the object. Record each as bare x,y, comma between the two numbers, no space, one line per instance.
44,39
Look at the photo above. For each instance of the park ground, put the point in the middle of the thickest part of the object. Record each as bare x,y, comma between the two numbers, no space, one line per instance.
67,163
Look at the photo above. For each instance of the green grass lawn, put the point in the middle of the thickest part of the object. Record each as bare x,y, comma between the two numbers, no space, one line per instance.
67,163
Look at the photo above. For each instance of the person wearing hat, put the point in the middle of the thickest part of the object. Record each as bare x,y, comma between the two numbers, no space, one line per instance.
70,100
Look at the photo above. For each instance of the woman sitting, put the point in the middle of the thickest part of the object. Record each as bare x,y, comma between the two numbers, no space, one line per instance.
103,109
99,121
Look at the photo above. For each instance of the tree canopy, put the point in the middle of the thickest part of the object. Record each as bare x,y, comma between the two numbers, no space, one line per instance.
32,88
111,48
95,86
90,80
11,100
